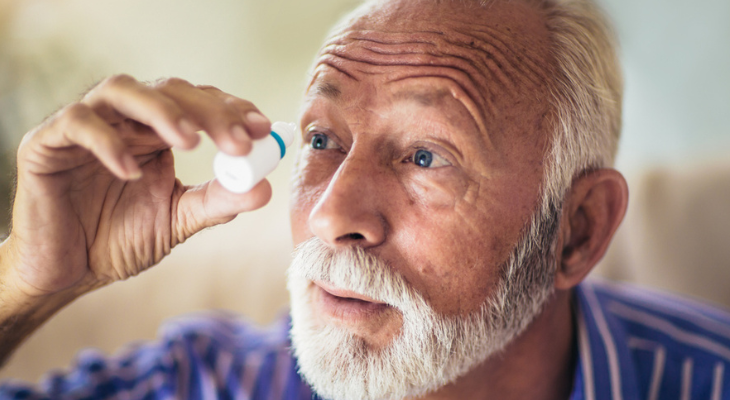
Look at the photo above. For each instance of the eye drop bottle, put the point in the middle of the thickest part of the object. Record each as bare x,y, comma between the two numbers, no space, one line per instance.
239,174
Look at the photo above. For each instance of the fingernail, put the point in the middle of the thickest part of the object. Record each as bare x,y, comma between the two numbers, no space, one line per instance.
240,134
255,117
187,127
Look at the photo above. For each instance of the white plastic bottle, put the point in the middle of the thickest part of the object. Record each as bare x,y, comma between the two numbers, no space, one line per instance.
239,174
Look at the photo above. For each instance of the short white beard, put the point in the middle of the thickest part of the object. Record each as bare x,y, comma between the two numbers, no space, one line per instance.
431,350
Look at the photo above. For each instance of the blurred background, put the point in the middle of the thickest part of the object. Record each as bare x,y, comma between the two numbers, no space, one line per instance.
675,150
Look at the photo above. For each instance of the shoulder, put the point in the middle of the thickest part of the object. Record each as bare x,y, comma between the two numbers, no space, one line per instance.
669,344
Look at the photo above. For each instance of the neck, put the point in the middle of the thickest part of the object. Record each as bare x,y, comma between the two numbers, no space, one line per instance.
537,365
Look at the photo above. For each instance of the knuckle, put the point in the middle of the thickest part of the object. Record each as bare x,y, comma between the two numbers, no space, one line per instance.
26,141
209,88
172,82
168,108
226,115
240,103
119,80
72,113
110,84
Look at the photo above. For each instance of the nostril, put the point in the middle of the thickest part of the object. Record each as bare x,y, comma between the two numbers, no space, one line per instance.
354,236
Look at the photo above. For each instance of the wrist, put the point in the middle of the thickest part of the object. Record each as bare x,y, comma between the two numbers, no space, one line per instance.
19,298
12,296
22,313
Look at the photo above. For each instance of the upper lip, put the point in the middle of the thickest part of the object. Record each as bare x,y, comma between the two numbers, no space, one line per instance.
344,293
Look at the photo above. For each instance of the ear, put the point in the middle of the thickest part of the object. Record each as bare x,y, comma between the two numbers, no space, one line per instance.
593,209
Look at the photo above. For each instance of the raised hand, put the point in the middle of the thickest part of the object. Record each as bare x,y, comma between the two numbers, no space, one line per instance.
97,198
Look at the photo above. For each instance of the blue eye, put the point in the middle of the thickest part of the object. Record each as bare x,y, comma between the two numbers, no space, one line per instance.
423,158
427,159
319,141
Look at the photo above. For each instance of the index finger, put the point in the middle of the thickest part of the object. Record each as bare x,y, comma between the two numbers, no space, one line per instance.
257,125
135,100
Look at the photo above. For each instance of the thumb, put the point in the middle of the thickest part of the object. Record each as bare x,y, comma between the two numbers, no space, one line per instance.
211,204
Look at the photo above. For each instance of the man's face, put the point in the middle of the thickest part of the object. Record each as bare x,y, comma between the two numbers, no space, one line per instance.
424,132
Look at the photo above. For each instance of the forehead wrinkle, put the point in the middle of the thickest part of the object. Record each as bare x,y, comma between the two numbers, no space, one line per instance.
433,43
495,42
420,37
493,58
503,62
333,63
463,70
417,64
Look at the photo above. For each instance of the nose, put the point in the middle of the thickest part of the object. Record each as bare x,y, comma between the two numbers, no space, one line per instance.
348,212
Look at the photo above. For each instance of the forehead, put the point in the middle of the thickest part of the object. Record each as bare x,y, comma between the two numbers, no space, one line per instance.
500,44
495,57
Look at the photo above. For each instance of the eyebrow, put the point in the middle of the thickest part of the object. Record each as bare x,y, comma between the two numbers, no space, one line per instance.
328,90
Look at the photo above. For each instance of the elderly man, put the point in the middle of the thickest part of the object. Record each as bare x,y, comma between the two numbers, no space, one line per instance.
451,194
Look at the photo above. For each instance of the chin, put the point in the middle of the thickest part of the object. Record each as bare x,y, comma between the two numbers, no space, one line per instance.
341,358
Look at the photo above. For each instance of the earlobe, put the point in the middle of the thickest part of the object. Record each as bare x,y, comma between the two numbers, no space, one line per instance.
593,209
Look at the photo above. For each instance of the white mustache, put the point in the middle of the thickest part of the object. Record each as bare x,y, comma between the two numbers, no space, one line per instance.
353,269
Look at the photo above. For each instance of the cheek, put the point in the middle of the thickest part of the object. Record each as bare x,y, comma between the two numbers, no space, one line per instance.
434,189
451,258
455,253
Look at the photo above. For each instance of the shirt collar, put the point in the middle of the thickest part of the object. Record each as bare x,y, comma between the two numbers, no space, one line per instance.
604,370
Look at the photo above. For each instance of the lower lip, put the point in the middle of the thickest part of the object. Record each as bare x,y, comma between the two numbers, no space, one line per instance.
344,309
